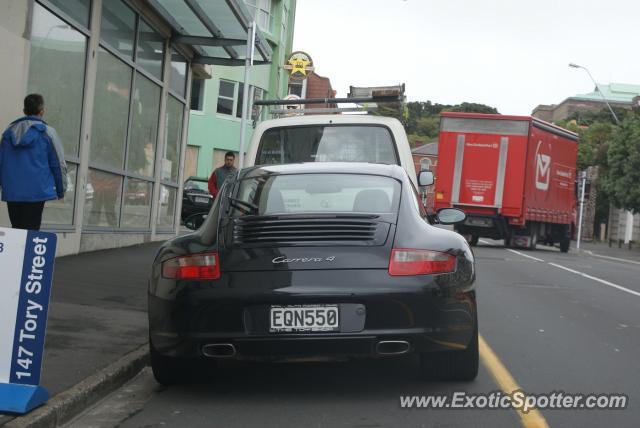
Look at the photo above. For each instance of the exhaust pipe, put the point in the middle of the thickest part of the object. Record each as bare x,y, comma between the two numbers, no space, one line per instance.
392,347
219,350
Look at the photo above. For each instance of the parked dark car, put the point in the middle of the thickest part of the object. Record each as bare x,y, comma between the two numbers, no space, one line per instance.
316,260
195,197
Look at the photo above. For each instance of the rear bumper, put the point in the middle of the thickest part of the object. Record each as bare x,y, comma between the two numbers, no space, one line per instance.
421,312
484,226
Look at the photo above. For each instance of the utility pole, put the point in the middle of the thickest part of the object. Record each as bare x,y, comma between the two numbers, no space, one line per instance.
583,178
248,62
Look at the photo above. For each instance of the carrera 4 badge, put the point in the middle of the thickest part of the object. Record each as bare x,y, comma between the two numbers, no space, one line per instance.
282,259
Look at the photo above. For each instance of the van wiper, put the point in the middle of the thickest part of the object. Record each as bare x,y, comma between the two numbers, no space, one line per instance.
246,208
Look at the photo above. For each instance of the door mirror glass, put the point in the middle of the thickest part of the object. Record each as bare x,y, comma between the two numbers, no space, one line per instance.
425,178
451,216
194,221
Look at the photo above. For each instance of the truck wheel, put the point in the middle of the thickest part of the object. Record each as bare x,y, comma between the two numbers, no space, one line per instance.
533,241
564,245
451,365
474,240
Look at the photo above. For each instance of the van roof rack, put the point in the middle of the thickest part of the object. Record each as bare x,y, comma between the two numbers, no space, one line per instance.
369,103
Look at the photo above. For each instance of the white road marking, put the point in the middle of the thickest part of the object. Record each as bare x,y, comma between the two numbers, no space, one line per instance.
525,255
591,253
602,281
482,241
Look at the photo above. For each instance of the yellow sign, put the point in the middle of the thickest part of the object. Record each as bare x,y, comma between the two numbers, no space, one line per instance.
299,65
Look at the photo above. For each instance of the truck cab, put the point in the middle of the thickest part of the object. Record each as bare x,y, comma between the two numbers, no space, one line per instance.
331,138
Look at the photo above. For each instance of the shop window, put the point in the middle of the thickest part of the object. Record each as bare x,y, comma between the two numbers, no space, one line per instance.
60,211
136,204
110,111
103,208
144,126
167,208
171,159
56,70
78,10
117,27
178,79
150,50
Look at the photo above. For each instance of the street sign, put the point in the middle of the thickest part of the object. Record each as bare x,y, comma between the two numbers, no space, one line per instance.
26,273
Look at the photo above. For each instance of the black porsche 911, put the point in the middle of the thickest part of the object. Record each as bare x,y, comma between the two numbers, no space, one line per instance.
326,260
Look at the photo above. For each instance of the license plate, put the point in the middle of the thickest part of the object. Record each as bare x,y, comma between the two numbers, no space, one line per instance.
303,318
202,200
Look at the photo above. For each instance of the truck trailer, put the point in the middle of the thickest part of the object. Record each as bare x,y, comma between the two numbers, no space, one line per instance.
514,177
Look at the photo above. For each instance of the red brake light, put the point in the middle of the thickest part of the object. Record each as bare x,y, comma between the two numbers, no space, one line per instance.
194,266
420,262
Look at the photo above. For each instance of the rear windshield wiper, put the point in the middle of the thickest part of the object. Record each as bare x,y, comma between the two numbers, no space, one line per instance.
246,208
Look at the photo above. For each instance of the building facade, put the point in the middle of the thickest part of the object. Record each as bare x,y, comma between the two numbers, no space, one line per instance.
116,78
216,107
618,95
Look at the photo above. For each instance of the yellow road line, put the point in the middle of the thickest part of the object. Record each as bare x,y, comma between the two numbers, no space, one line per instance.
506,382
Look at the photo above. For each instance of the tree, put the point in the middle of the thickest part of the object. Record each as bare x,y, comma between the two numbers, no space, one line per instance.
623,175
473,108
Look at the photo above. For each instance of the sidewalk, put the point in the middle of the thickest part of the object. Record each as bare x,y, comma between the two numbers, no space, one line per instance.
97,314
603,249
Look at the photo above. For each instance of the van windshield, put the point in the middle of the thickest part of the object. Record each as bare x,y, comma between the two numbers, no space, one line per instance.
331,143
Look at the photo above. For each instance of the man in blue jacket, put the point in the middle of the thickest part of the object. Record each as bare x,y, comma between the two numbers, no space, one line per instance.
32,166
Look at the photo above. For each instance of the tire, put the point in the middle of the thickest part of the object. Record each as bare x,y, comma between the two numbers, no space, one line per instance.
166,370
564,245
474,240
459,365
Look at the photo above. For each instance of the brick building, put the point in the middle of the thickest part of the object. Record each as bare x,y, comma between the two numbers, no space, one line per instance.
314,86
425,157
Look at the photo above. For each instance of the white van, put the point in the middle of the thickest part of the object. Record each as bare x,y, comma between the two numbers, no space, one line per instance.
331,138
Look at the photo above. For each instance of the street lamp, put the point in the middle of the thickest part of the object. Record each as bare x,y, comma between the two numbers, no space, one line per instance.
598,89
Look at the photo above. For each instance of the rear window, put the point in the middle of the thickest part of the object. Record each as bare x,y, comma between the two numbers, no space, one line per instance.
321,143
315,193
196,185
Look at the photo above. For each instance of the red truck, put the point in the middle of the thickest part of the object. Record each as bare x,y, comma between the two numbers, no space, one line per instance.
512,175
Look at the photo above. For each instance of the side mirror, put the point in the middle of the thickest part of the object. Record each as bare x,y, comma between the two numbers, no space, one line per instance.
450,216
194,221
425,178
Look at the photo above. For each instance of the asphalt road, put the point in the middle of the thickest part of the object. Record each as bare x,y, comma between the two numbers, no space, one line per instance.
551,327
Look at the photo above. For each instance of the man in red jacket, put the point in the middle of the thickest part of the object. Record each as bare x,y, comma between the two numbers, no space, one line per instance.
220,174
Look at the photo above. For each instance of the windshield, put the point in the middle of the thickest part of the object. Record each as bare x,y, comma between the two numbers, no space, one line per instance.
327,144
196,185
315,193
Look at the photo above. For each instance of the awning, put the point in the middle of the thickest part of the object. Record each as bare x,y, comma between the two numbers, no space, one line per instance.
216,30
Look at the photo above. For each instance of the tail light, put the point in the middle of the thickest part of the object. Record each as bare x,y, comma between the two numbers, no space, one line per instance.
193,266
420,262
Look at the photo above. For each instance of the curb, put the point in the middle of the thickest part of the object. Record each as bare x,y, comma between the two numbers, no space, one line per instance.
66,405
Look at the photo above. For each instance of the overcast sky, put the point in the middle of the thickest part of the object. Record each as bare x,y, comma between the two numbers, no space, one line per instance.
510,54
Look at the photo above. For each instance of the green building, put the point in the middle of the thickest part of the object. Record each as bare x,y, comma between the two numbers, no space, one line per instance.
216,103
